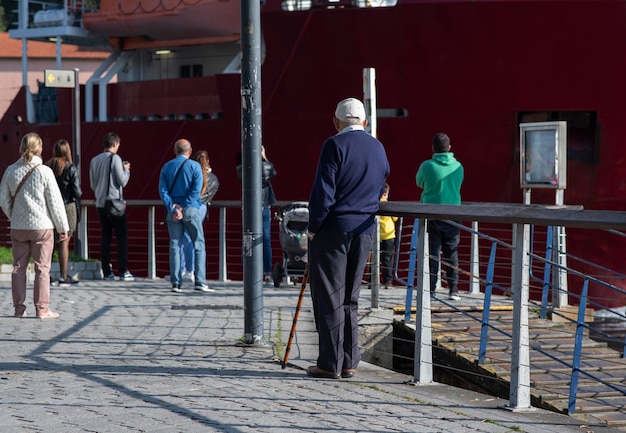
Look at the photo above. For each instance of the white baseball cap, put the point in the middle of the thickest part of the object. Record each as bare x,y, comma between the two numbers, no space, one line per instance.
349,109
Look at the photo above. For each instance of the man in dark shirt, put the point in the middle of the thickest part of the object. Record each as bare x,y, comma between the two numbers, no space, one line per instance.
350,178
108,175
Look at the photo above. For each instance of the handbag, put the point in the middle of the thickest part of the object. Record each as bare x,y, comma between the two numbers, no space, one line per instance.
22,183
115,207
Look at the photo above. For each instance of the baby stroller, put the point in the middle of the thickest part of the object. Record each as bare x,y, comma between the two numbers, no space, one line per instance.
294,223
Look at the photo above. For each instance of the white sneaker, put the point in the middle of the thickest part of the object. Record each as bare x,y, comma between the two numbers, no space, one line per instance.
127,276
188,276
454,297
203,288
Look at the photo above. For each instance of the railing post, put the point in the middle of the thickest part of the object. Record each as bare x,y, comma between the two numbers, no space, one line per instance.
546,274
475,261
423,356
151,243
519,396
578,347
410,279
83,249
223,272
396,255
482,351
559,276
375,266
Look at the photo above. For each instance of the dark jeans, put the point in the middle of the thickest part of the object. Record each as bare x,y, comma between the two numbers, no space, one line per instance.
444,238
386,260
267,240
109,224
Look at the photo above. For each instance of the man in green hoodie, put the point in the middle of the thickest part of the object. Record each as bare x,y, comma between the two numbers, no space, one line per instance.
441,177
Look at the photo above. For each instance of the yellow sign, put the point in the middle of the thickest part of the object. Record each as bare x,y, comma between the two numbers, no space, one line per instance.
58,78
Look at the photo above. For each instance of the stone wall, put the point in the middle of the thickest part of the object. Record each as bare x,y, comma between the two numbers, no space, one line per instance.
376,337
85,271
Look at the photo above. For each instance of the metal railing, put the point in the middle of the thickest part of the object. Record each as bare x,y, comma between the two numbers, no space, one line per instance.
149,226
520,261
504,256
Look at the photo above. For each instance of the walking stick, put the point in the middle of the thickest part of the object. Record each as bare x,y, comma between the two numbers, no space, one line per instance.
292,333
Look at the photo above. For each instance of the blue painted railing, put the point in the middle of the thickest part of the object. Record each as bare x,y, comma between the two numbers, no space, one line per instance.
549,266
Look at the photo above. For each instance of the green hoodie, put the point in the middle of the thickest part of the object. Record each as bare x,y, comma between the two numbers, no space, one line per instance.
441,178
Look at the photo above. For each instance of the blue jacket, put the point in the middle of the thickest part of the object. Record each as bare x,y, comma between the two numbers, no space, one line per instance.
350,178
186,190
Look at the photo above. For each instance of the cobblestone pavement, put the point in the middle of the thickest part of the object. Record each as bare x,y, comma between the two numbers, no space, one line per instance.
134,357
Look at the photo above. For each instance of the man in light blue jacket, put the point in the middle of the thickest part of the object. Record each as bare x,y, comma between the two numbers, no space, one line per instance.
180,183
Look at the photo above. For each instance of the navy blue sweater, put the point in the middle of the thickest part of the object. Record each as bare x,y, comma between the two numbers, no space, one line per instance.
350,178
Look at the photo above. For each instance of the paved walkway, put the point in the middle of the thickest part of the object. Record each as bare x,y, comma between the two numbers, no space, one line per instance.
134,357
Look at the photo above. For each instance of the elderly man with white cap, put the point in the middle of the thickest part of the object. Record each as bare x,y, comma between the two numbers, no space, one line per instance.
350,178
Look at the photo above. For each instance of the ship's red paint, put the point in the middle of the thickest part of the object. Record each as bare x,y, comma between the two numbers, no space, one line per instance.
464,67
136,24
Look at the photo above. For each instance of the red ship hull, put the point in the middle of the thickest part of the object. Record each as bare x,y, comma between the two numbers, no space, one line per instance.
469,68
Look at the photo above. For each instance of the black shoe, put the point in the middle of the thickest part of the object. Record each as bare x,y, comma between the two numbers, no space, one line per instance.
347,374
315,371
176,288
68,281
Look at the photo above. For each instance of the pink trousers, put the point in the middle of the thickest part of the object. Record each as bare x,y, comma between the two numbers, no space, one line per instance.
38,244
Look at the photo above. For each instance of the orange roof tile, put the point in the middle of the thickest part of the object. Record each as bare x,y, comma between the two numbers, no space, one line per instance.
12,48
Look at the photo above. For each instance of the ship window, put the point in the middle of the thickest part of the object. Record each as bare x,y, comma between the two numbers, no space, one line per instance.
583,131
188,71
303,5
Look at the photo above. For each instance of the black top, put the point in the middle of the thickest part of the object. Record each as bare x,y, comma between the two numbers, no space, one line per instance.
268,172
69,184
213,185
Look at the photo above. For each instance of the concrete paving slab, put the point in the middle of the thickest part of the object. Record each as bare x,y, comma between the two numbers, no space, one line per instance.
135,357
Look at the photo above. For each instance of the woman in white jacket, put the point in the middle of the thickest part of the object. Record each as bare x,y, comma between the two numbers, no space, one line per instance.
30,198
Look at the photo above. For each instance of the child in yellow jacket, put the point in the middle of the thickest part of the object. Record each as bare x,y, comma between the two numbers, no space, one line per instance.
387,242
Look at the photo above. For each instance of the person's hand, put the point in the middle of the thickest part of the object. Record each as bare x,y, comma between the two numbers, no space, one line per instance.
126,165
263,153
63,236
311,236
178,212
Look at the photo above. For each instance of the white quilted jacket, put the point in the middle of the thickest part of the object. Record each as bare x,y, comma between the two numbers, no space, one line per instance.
38,205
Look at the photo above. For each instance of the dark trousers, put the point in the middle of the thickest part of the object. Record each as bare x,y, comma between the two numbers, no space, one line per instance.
386,260
119,225
267,240
336,264
444,238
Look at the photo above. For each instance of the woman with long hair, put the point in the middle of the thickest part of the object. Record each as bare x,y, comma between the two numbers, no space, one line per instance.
68,181
30,198
210,184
